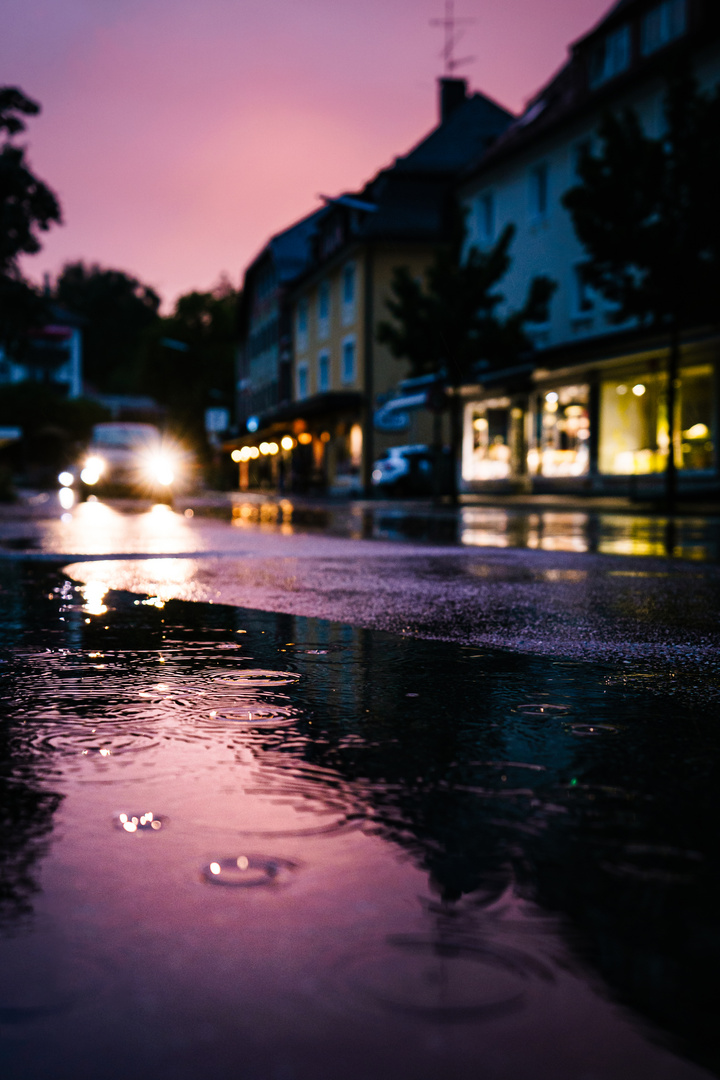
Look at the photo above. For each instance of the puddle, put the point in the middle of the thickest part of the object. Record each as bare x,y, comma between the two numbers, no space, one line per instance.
367,849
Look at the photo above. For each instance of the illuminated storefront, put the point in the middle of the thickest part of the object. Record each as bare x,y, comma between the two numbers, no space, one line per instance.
560,438
634,424
487,440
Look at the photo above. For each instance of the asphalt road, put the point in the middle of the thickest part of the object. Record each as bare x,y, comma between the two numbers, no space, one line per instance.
660,612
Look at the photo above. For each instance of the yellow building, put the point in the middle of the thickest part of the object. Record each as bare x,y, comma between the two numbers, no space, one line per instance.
346,408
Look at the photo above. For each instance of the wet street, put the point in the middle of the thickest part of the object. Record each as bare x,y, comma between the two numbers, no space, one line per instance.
364,797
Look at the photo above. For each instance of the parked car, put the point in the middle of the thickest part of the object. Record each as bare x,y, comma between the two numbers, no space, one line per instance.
412,470
128,458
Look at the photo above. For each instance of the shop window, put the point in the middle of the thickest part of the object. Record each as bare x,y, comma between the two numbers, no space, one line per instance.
696,427
487,451
562,438
634,427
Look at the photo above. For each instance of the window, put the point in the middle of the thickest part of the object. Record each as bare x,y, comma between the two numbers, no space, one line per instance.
302,381
610,57
323,372
302,324
323,309
583,300
348,360
486,447
662,25
561,445
348,284
486,217
634,427
539,191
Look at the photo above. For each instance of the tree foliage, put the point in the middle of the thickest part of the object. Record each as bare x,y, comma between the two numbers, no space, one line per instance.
117,310
27,208
189,357
451,320
647,212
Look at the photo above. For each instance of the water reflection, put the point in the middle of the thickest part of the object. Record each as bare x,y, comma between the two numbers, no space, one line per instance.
454,853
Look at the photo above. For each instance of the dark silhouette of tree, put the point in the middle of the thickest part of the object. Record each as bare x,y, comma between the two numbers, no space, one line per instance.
189,358
27,208
648,215
449,323
117,309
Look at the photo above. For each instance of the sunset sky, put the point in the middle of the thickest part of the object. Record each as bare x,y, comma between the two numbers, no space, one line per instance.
180,134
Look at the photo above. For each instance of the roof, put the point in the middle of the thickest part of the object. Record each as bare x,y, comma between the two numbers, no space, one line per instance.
469,129
567,94
290,249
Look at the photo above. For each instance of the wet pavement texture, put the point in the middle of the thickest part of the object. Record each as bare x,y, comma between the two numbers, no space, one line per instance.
247,843
555,600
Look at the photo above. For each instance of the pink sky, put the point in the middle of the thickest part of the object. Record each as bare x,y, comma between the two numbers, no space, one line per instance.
180,134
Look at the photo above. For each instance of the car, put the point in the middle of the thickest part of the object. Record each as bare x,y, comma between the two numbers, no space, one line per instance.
128,458
411,470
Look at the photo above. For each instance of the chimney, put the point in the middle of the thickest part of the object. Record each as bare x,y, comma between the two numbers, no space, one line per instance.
453,92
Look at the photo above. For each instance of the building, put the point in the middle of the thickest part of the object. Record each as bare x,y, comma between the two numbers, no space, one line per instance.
589,413
52,355
341,416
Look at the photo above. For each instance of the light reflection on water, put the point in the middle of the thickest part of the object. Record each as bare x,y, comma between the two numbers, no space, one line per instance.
430,868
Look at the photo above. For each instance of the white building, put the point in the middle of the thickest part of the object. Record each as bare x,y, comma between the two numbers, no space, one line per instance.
589,412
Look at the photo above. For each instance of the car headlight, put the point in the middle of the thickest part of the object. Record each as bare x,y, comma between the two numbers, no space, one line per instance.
93,470
160,468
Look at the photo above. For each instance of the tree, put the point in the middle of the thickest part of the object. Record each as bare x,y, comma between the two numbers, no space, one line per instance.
450,323
118,310
647,213
189,358
27,208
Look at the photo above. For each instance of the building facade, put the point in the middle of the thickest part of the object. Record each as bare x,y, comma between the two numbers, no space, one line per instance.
589,413
344,382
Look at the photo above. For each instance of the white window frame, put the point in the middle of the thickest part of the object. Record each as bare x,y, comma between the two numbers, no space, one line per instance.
323,358
344,377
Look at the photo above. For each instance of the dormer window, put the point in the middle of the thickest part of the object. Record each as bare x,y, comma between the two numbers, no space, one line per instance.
610,57
662,24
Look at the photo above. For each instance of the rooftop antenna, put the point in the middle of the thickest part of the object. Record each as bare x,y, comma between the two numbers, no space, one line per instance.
454,31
